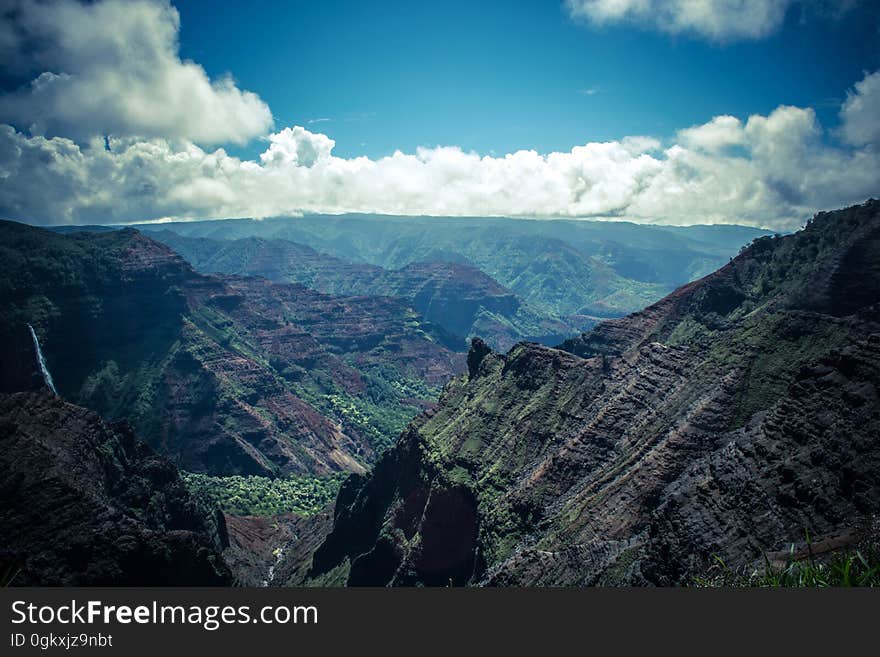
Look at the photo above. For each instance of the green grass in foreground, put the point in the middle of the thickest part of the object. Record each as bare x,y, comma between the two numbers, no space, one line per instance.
262,496
857,567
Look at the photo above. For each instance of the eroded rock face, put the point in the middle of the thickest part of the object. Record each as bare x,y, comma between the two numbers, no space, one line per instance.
86,503
700,492
730,418
348,334
812,461
406,524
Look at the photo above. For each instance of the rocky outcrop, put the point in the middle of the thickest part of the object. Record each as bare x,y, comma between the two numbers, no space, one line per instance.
84,502
733,417
479,350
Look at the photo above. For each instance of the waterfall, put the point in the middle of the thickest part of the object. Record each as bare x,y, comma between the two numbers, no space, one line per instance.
47,377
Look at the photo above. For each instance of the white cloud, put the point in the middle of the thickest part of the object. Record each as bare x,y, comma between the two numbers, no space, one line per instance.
714,19
720,132
297,147
113,67
861,112
773,171
779,173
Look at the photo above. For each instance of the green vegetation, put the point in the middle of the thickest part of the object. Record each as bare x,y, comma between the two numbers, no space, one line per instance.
844,569
381,412
771,347
261,496
855,566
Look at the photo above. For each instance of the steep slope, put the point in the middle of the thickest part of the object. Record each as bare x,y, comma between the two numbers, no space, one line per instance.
86,503
370,333
220,382
262,548
458,297
730,418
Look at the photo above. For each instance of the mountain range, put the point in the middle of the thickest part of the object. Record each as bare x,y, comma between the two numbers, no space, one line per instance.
505,280
728,420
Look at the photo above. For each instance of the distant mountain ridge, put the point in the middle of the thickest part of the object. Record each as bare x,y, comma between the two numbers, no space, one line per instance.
735,416
459,297
560,268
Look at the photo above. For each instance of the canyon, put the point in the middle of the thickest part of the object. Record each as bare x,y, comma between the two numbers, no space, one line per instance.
733,419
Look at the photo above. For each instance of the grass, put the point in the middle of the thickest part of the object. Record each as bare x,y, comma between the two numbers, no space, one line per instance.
8,572
856,567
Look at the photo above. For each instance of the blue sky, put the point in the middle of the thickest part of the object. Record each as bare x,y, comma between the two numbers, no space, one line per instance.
757,112
498,76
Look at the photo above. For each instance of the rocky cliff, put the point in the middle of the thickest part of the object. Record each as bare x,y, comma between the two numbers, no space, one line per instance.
731,418
84,502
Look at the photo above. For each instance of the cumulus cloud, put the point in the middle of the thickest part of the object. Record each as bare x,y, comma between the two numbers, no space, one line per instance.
773,171
297,147
860,112
113,127
113,68
720,132
714,19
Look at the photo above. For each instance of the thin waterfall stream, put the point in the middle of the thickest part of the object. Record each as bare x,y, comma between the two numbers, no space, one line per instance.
47,376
